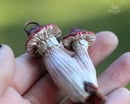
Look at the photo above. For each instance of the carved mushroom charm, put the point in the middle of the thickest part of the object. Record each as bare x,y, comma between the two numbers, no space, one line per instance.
76,76
78,40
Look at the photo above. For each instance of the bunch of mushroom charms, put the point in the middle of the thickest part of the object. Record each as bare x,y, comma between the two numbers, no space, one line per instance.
67,60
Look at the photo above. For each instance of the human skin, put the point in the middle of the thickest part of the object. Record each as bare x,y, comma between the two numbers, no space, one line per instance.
24,80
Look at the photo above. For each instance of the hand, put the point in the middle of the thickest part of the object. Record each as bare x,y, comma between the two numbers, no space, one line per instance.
24,80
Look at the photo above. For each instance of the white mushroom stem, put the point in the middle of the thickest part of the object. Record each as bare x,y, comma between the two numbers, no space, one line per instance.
80,47
75,76
66,73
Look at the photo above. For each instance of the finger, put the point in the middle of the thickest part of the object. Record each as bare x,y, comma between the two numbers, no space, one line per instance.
119,96
28,70
44,92
104,45
7,64
116,75
11,96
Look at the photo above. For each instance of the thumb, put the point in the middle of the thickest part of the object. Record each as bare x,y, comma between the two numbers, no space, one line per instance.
7,67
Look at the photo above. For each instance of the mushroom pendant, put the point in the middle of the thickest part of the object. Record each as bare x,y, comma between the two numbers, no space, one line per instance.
74,74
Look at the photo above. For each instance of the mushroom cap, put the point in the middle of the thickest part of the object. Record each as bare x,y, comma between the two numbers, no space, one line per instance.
36,43
76,34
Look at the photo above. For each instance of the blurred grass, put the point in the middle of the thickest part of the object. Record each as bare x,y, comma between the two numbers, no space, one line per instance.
93,15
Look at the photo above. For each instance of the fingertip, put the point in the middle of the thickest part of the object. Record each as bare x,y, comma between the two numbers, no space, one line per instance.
119,96
125,60
6,51
6,56
106,42
116,75
109,39
124,90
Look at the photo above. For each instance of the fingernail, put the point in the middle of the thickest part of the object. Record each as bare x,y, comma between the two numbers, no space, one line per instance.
0,45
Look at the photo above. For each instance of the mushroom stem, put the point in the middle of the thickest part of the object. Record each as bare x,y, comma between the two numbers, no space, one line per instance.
66,73
81,54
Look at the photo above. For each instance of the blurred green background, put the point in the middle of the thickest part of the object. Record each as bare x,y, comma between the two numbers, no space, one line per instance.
94,15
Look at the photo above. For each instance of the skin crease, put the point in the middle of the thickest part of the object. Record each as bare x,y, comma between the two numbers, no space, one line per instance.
23,82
